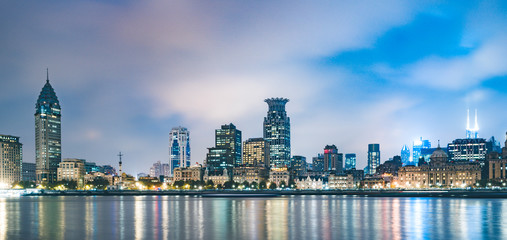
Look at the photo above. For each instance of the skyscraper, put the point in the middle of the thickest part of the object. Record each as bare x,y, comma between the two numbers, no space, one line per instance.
416,150
179,148
10,159
373,157
229,137
332,161
350,161
256,153
298,166
48,139
405,156
277,132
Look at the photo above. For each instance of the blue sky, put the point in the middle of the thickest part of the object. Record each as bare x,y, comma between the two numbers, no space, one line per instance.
383,72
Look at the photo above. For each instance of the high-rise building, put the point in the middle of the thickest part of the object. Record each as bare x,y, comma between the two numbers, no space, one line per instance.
298,166
256,152
469,149
350,161
28,172
219,159
48,139
373,157
332,160
179,148
229,137
416,150
405,156
277,132
10,159
318,163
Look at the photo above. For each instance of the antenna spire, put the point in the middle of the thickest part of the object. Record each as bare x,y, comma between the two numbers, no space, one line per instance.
47,75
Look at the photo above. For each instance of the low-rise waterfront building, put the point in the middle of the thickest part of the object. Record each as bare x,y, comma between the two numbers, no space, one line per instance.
440,173
193,173
217,179
341,181
249,174
279,175
72,169
310,183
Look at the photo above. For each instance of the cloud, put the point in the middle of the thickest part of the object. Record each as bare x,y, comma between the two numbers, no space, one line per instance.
453,73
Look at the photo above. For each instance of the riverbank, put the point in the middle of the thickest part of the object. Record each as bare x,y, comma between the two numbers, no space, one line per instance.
260,193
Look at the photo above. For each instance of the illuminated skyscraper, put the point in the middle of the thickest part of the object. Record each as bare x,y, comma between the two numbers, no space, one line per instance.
405,155
373,158
229,137
48,139
416,150
179,148
318,163
350,161
277,132
10,159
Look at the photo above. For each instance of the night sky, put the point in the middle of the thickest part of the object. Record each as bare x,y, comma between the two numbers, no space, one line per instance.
126,72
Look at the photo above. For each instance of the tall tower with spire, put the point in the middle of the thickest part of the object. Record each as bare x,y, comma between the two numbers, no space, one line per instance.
48,139
472,132
277,132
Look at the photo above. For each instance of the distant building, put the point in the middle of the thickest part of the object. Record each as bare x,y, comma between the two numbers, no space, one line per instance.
108,169
405,156
256,152
217,179
72,169
11,152
219,159
318,163
332,160
373,158
28,172
350,161
466,150
417,148
179,148
229,137
390,167
48,139
298,166
91,167
160,169
498,164
277,132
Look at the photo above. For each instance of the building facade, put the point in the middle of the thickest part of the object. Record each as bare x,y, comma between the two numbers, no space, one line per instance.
71,169
11,158
332,160
28,172
468,149
341,181
48,140
160,169
350,161
179,148
256,153
439,172
229,137
279,176
277,132
373,157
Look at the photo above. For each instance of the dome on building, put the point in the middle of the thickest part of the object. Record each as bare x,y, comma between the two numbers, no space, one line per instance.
439,153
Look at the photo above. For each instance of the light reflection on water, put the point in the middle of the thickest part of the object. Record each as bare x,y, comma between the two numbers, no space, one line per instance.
290,217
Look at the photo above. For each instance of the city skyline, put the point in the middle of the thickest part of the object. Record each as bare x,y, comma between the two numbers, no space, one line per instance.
349,84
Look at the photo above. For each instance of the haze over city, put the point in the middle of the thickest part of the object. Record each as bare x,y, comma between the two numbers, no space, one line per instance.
355,73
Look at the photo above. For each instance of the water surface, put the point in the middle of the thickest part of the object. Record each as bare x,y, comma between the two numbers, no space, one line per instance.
287,217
